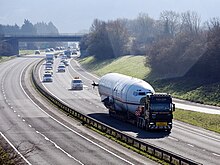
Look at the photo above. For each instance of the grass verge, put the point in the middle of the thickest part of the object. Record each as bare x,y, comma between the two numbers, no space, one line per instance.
200,91
181,88
5,58
24,52
130,65
207,121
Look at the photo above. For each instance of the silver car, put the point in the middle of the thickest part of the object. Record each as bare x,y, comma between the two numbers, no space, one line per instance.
77,83
61,68
47,77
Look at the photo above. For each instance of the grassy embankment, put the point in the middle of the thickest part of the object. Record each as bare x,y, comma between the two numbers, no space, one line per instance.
135,66
25,52
5,58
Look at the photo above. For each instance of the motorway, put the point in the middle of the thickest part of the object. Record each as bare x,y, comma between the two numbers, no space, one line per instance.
31,123
186,140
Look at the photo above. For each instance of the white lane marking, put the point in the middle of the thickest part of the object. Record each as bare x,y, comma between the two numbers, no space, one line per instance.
84,69
15,148
190,145
45,88
80,73
46,138
94,143
197,133
23,120
19,115
216,154
173,138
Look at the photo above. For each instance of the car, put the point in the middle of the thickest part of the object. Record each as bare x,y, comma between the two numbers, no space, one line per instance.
52,49
49,63
47,77
61,68
77,84
61,54
37,52
65,62
48,70
48,67
63,57
47,50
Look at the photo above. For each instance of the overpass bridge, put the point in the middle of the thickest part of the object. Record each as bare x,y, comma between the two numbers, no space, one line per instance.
14,40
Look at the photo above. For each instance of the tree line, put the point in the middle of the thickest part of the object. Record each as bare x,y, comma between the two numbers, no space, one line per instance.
29,28
175,44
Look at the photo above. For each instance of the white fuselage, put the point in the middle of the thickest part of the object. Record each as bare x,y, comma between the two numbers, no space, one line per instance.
124,92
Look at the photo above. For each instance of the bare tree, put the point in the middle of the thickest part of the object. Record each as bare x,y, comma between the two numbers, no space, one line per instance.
8,156
190,22
171,21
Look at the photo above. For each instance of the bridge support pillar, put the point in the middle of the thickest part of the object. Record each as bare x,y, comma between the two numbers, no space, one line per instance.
13,47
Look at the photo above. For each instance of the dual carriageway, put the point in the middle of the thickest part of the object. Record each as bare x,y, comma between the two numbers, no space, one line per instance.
59,139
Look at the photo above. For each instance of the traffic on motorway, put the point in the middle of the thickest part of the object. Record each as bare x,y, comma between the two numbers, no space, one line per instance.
88,102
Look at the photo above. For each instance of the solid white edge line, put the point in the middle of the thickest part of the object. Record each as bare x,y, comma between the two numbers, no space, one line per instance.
15,148
80,73
85,70
75,131
8,140
42,111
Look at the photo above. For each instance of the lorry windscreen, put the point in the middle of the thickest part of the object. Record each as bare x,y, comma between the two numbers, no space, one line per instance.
160,107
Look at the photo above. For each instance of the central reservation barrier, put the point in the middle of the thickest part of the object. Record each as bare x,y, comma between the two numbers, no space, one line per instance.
148,148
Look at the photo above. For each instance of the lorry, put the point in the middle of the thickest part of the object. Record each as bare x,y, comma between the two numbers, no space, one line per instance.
155,112
49,58
135,101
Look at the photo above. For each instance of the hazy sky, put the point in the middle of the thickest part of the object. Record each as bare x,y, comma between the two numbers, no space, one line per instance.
71,16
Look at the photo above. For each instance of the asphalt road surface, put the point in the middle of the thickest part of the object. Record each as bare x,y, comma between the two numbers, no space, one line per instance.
30,123
192,142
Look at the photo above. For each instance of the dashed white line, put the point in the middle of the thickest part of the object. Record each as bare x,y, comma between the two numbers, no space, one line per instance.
173,138
80,135
70,156
216,154
29,125
190,145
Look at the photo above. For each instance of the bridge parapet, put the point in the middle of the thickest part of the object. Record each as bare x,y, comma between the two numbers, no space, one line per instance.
43,35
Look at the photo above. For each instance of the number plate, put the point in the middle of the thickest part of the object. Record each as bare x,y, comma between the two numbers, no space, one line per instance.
161,123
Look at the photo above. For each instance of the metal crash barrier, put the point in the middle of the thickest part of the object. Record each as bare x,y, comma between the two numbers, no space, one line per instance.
148,148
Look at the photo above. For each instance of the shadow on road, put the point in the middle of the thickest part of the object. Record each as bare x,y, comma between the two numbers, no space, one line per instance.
127,127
